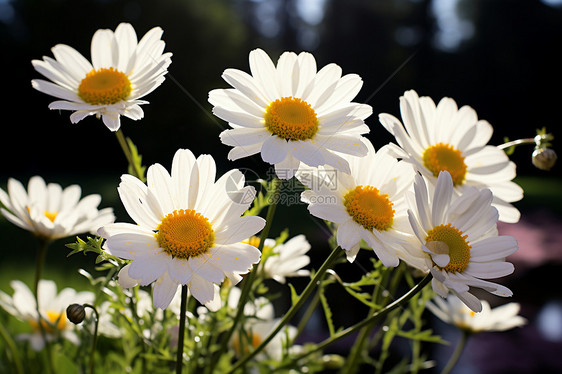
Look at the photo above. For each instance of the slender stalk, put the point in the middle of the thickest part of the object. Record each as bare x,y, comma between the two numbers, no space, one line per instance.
291,312
12,348
517,142
306,316
249,278
374,317
95,338
181,332
457,353
352,363
128,155
41,255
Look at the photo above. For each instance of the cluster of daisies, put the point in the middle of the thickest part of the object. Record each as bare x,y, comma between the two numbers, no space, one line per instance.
432,200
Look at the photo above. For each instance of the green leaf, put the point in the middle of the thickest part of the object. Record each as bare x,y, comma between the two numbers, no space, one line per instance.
425,335
327,310
509,150
294,295
94,244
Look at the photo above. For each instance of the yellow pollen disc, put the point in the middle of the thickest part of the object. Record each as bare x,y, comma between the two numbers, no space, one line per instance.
54,321
185,233
255,241
51,215
441,157
104,87
369,208
459,249
251,338
291,119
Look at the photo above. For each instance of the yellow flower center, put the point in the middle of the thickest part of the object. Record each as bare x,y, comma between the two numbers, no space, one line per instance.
185,233
459,249
291,119
369,208
104,87
440,157
252,338
55,321
51,215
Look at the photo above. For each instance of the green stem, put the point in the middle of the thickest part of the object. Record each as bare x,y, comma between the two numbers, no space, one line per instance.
352,363
12,348
128,155
291,312
457,353
95,338
245,293
374,317
181,332
306,316
41,256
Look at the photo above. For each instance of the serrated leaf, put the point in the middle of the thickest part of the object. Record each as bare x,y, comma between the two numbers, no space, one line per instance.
327,311
425,335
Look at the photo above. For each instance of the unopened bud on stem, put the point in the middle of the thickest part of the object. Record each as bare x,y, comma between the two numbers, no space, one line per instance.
76,313
544,158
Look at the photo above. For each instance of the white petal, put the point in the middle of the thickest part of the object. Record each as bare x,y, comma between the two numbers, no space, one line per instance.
348,234
201,289
125,280
239,229
264,72
164,291
237,258
205,269
102,49
274,150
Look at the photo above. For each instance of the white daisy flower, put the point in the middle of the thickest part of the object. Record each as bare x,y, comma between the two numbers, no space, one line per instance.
455,312
460,237
51,212
188,229
287,259
121,72
53,306
443,137
292,113
368,204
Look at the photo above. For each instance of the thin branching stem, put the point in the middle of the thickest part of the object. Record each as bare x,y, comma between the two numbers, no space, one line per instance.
457,353
128,155
291,312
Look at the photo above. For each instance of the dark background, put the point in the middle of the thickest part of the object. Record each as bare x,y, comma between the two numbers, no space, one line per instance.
502,57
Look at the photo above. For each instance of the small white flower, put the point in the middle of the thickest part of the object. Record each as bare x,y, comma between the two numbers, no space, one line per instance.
188,229
292,113
460,238
286,259
52,306
121,72
455,312
368,204
51,212
443,137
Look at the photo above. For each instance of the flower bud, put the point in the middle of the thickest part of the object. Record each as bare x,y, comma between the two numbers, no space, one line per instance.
76,313
332,362
544,158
